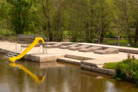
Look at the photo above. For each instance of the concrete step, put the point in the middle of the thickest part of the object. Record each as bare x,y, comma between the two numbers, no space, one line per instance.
77,57
12,54
100,66
15,54
69,60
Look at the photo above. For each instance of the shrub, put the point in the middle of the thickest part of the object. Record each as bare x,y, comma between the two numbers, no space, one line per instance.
125,70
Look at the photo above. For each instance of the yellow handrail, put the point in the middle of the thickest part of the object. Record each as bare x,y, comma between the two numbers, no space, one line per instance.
37,40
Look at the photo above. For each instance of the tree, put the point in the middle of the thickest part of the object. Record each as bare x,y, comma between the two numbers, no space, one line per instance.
20,14
89,21
4,10
134,8
127,18
102,19
58,20
47,6
82,20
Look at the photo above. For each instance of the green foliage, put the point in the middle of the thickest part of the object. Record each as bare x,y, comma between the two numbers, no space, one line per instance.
112,65
12,38
110,34
3,10
20,15
85,20
65,34
6,32
4,15
123,42
125,70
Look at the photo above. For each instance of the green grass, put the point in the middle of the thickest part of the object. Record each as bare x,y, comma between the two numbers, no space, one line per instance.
125,70
123,42
112,65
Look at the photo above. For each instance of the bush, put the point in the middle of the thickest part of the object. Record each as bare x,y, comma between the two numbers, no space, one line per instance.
5,32
125,70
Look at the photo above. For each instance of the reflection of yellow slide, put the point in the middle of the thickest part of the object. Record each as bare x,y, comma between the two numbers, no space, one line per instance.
36,78
37,40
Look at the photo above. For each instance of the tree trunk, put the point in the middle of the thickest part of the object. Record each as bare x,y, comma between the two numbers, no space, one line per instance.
91,30
87,33
102,35
60,25
103,31
136,34
47,16
129,35
127,23
49,31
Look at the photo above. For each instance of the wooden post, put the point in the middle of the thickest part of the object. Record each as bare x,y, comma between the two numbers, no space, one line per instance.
118,40
98,39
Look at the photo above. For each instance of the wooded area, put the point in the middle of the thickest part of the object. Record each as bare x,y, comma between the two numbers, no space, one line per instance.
77,20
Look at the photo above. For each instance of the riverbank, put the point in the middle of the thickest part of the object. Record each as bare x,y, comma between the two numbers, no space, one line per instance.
125,70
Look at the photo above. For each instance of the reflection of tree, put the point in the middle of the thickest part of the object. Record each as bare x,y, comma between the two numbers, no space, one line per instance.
38,79
128,86
91,84
63,79
2,71
17,80
6,76
58,79
14,78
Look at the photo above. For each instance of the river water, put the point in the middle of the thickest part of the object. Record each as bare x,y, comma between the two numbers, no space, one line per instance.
57,77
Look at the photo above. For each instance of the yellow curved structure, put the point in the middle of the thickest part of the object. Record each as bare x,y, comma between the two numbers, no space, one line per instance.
36,78
37,40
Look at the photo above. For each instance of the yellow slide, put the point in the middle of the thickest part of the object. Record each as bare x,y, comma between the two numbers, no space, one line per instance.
37,79
37,40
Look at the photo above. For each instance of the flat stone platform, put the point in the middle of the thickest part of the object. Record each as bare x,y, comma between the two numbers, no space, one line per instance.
43,57
86,60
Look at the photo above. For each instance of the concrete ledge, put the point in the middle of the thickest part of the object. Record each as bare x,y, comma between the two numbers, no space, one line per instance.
121,48
88,63
99,70
70,61
90,49
63,47
107,51
77,57
42,58
37,57
6,51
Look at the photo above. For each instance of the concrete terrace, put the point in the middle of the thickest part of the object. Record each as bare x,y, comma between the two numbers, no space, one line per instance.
70,56
97,58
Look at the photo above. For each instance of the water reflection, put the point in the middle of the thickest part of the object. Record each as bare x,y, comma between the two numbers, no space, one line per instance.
57,79
38,79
